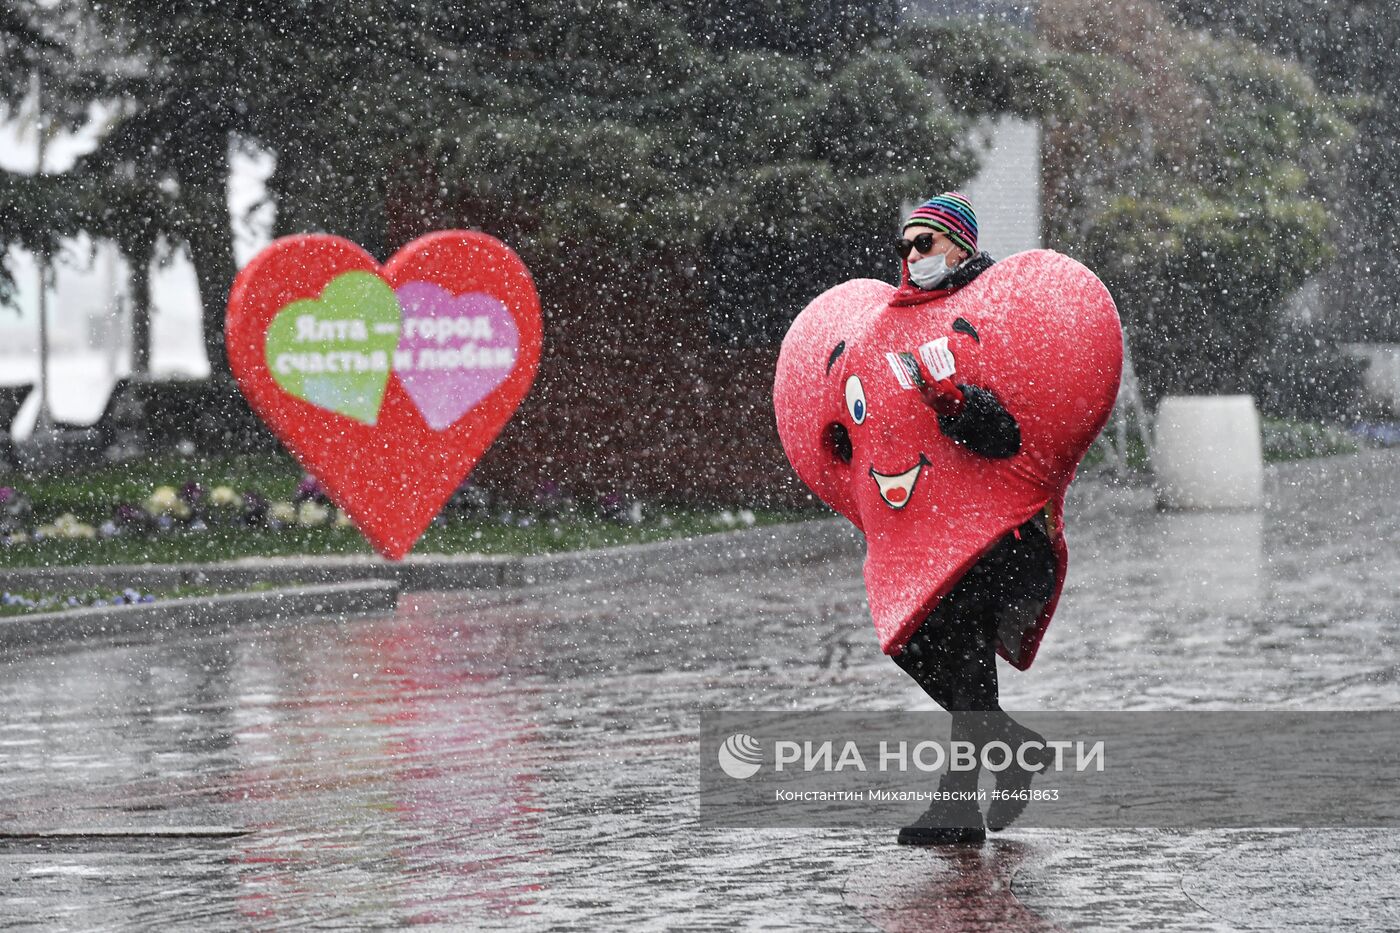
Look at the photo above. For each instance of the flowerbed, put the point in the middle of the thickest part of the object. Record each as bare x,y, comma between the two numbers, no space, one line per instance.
221,510
19,603
190,508
13,603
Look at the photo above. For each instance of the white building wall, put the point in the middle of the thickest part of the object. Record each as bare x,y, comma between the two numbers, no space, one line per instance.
1006,192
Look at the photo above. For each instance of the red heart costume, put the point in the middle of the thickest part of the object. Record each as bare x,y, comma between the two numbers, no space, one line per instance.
1048,345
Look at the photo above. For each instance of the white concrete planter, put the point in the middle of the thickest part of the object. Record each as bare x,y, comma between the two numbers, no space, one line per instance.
1208,453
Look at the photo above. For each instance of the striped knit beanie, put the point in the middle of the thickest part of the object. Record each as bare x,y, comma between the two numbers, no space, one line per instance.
949,213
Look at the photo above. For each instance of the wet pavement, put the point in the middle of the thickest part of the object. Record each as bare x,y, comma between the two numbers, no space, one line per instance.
526,759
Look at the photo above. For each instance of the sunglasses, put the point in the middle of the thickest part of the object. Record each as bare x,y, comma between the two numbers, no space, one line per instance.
923,243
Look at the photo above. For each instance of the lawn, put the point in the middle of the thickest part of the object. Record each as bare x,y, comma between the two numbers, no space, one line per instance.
92,497
1282,440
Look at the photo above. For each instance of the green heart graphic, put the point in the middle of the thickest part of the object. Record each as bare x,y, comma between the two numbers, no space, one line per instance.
336,351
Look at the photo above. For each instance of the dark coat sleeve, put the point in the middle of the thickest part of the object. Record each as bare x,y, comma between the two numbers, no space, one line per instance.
984,426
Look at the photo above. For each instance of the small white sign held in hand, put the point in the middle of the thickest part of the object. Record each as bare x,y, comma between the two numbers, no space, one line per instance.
938,358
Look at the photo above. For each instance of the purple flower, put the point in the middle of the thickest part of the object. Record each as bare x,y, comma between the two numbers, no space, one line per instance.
14,509
194,496
254,508
551,499
129,517
613,507
310,490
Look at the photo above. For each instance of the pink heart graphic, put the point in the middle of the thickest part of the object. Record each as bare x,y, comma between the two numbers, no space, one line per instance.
453,349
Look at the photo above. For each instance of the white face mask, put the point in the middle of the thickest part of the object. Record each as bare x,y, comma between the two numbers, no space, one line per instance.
929,271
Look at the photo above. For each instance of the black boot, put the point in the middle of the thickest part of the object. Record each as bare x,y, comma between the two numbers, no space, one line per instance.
1014,782
954,819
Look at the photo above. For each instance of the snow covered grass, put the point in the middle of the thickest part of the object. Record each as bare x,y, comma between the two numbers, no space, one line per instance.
294,520
531,536
1282,440
1299,440
92,494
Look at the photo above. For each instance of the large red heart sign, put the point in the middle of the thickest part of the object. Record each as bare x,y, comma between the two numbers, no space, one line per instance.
1039,331
387,384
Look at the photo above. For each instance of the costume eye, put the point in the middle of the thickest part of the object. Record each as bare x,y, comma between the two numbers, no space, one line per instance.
855,399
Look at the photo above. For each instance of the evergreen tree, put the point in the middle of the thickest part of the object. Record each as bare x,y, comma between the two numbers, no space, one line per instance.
1195,182
46,86
608,126
1352,49
649,145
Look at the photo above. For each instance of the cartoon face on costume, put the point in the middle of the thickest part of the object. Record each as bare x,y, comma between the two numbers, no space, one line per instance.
896,489
1038,330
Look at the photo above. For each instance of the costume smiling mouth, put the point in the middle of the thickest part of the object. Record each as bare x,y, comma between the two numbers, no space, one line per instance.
898,489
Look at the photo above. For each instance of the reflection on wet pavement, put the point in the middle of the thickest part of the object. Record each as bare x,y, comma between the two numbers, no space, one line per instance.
1215,560
526,759
960,890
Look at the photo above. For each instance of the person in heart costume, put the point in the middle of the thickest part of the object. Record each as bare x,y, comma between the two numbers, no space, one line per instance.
945,419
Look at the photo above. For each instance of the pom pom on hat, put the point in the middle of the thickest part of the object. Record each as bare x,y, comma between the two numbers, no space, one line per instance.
949,213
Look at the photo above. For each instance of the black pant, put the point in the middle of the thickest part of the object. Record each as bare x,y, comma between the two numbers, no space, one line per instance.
953,654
